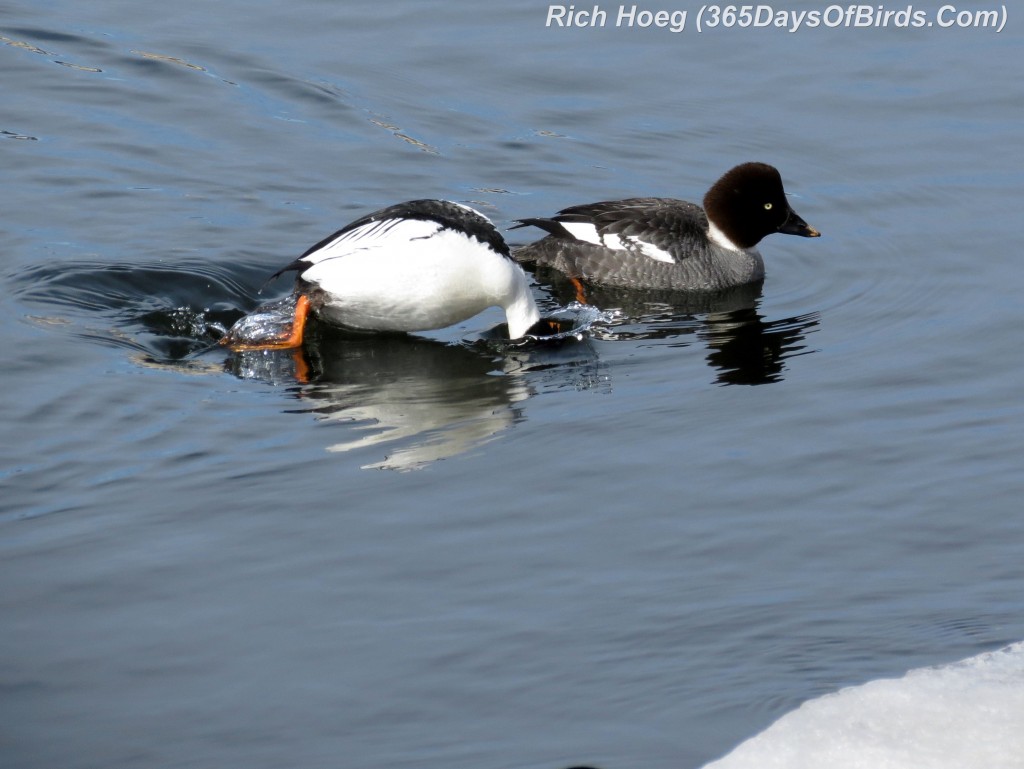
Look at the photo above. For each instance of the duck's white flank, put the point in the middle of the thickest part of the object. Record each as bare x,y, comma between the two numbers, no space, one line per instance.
414,275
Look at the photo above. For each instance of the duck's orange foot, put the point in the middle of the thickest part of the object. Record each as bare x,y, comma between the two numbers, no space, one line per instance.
549,327
242,337
581,290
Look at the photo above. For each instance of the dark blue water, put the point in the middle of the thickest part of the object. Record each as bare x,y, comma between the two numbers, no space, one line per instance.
633,550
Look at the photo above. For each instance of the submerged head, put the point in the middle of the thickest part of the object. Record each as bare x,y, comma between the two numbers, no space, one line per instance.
749,202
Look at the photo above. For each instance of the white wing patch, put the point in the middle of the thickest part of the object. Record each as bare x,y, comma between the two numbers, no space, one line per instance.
385,233
588,233
651,250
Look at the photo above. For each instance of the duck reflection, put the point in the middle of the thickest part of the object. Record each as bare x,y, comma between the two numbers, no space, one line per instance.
743,347
423,399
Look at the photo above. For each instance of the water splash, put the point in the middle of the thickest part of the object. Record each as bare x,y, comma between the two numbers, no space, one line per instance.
570,323
265,324
573,321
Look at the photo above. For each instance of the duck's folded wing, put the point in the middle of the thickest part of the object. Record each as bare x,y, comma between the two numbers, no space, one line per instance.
663,229
364,234
397,226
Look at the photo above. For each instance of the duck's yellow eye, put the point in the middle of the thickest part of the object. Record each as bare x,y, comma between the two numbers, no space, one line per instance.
767,206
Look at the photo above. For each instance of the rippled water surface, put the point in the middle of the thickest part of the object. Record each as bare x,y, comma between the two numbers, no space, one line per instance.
636,546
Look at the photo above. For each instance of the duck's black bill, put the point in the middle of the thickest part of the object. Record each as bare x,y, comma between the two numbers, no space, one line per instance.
794,225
